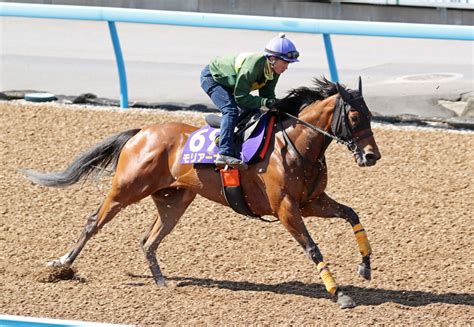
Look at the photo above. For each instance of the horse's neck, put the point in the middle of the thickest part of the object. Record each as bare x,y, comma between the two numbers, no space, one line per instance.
320,113
310,143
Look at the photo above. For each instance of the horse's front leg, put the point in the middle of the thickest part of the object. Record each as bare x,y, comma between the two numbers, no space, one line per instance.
326,207
290,216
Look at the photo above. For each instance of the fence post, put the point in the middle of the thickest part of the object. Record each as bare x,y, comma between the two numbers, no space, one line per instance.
330,57
120,65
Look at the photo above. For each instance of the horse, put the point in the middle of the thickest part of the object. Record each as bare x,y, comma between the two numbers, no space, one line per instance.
289,183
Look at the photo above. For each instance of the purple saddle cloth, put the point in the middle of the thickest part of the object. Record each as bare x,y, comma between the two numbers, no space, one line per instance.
200,147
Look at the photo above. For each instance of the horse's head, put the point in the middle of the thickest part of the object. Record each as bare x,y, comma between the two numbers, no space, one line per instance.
351,123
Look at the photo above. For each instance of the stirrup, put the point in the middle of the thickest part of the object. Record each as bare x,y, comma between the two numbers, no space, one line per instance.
223,160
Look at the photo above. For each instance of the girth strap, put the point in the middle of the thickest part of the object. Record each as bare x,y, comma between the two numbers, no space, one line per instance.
234,195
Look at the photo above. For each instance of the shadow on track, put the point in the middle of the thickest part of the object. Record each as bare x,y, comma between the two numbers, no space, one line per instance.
365,296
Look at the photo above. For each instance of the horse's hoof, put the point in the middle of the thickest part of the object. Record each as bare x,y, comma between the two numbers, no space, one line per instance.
160,282
364,271
345,301
54,263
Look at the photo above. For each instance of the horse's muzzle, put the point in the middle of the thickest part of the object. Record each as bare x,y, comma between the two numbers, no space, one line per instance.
366,159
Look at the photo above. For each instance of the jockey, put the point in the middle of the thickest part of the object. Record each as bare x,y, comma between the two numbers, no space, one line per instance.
229,80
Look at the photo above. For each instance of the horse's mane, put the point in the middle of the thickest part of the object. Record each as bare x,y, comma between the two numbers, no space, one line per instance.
300,97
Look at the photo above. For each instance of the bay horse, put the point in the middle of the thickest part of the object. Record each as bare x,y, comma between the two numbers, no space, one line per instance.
288,183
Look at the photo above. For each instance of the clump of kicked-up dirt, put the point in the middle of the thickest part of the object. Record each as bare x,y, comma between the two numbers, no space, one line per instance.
55,274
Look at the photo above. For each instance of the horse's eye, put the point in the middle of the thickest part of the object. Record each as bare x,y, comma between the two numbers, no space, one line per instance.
355,120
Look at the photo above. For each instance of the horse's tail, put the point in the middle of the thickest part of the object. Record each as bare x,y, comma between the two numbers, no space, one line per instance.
99,157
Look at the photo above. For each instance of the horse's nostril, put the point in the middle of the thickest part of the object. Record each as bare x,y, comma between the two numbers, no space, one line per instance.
370,157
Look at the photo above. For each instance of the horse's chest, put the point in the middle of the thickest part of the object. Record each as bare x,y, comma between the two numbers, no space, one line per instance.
310,181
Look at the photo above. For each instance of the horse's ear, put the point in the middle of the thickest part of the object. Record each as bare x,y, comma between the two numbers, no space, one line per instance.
360,86
342,91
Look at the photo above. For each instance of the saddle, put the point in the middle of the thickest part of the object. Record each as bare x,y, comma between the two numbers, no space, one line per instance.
253,135
245,126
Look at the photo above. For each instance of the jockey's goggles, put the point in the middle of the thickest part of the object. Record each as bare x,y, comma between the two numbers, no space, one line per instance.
290,55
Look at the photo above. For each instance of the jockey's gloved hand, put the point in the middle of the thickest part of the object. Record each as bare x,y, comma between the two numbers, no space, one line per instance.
270,104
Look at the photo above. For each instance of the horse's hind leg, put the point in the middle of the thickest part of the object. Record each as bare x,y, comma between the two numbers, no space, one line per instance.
171,204
67,259
124,191
94,223
326,207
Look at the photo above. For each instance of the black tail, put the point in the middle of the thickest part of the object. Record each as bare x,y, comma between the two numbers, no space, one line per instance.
99,157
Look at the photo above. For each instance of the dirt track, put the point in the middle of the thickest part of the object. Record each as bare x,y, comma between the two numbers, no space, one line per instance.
224,269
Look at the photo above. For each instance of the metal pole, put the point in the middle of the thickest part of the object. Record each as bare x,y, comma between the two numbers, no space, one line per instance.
120,65
330,57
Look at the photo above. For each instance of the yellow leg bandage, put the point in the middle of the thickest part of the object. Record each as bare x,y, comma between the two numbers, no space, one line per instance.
362,240
327,278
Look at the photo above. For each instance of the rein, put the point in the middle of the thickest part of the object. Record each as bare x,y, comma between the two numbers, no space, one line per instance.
350,145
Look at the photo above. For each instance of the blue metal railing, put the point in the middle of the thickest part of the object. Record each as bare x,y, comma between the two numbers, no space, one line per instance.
22,321
120,65
280,24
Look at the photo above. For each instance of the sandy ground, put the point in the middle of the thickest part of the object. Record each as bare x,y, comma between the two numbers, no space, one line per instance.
223,268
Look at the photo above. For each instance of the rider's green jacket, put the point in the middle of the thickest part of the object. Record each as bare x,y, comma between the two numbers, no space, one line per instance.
245,73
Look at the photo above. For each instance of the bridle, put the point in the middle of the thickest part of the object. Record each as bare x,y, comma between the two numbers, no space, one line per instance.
341,131
340,121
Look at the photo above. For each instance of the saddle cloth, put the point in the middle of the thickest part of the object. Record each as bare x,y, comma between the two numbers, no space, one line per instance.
200,148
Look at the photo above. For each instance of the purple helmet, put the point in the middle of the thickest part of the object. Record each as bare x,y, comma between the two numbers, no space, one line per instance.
282,48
